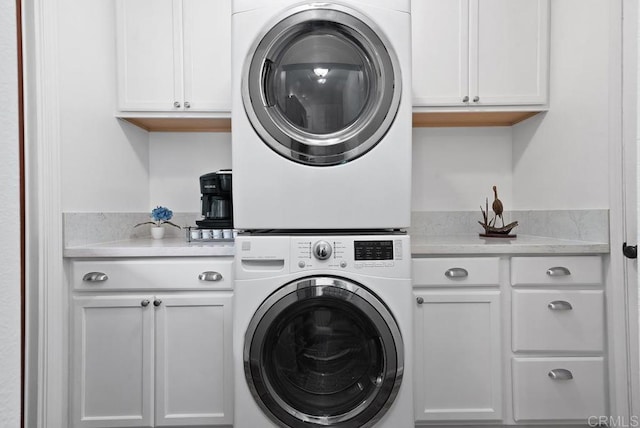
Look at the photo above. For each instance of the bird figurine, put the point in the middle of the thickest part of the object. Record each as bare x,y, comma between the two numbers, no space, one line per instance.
497,206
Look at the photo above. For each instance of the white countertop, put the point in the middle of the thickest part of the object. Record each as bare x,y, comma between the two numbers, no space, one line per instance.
148,247
421,245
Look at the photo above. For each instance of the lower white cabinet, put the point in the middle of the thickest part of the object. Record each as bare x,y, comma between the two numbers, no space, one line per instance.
458,364
151,358
145,360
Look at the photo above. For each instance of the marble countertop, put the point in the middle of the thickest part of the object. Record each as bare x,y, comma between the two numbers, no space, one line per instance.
148,247
421,245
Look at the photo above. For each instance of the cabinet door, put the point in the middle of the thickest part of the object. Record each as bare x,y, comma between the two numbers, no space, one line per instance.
440,39
207,55
457,359
194,371
112,361
149,54
508,52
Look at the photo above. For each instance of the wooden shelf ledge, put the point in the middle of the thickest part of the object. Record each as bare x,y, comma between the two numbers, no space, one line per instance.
181,124
467,119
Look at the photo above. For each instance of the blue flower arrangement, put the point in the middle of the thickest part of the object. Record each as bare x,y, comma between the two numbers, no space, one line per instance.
160,216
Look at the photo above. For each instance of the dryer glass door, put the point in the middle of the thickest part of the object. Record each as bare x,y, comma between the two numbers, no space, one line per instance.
322,86
323,351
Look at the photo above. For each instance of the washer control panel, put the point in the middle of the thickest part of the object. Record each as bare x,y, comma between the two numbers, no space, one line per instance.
347,252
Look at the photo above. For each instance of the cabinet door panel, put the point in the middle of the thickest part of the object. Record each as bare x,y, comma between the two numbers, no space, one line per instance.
508,53
112,370
207,54
193,360
149,54
440,51
457,360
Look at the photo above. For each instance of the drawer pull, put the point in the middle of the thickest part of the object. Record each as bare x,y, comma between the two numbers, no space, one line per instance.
558,271
560,305
419,300
560,374
210,276
95,277
454,273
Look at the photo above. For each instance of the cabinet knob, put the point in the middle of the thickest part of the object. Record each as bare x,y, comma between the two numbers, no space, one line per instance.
210,276
560,305
157,302
560,374
465,99
476,99
144,303
187,104
176,104
455,273
558,271
95,277
420,300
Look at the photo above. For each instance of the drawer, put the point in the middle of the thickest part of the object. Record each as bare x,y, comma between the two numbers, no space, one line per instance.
578,270
552,320
447,272
576,392
193,273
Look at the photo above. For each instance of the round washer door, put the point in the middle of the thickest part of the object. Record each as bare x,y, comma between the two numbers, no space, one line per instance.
323,352
322,86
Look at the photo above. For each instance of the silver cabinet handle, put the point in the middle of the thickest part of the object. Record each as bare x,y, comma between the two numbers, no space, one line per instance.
187,104
558,271
560,305
454,273
560,374
420,300
157,302
210,276
176,104
95,277
465,99
144,303
476,99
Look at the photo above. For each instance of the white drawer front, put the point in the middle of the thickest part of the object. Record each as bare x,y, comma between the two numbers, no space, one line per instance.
578,270
193,273
456,272
537,396
552,320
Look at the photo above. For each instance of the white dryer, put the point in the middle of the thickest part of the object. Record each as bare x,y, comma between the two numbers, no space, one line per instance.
322,331
321,114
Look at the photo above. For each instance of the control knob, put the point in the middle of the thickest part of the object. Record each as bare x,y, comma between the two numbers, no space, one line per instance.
322,250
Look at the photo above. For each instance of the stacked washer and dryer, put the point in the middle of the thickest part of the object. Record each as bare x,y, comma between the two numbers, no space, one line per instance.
321,136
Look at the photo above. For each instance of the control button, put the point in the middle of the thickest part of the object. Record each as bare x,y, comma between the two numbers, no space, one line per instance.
322,250
301,264
343,264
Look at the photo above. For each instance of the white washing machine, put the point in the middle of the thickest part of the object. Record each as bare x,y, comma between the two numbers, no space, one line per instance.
322,331
321,114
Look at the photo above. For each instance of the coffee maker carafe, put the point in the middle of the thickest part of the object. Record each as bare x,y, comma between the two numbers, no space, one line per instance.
217,205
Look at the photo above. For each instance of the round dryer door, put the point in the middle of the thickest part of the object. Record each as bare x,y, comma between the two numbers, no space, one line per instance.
323,351
322,86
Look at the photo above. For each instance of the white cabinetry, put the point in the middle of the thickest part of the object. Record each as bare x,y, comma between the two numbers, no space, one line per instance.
174,55
458,367
558,338
151,356
480,53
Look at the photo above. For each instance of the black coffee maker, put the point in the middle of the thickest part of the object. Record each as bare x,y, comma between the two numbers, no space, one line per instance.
217,205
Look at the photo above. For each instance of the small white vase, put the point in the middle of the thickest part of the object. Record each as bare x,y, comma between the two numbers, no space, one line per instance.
157,232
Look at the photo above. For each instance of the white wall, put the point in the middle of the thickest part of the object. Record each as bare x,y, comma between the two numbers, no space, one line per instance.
177,160
10,225
560,158
105,162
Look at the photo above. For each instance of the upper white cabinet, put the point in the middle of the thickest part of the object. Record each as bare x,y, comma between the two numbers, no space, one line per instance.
480,53
174,55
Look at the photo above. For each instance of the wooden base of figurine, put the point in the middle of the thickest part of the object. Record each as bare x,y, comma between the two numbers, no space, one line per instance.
497,235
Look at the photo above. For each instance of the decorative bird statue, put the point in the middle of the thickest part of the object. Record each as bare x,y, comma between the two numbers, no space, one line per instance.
497,206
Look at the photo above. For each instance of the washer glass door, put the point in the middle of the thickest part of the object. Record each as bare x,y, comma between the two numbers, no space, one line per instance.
322,86
323,351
